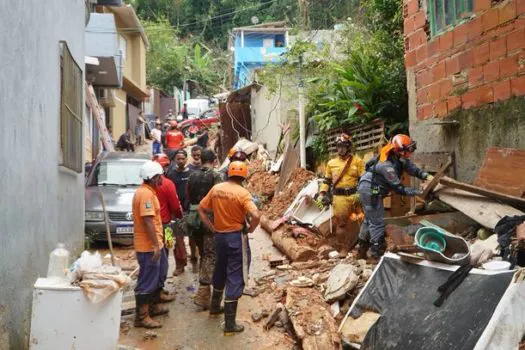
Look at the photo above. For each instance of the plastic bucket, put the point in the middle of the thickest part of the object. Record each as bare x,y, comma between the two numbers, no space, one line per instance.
431,239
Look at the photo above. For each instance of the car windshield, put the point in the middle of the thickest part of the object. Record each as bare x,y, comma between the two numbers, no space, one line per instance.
118,172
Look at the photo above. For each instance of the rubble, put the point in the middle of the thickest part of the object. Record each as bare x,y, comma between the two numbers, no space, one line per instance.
282,200
341,280
263,184
274,316
259,315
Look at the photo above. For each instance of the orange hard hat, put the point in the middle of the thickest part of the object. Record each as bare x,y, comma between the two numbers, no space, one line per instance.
343,140
232,151
162,159
403,145
238,168
174,124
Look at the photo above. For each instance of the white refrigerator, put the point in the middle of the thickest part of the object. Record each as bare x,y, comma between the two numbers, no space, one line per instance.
63,318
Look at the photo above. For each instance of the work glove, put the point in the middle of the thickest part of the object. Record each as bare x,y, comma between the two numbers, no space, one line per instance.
429,177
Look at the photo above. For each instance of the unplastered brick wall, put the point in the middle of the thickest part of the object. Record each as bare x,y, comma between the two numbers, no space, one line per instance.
477,62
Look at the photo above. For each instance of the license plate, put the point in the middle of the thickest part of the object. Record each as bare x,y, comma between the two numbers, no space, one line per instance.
125,229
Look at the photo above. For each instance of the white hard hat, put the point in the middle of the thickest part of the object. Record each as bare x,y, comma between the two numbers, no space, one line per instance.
149,170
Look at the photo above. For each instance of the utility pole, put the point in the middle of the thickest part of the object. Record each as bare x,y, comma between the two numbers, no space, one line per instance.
302,122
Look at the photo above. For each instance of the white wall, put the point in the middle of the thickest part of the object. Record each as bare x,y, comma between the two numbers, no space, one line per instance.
268,111
41,204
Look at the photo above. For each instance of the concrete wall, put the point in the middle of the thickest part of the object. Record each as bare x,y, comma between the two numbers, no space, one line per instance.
42,203
118,114
268,111
460,81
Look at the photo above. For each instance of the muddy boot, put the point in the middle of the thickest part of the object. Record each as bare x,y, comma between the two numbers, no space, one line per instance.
362,249
142,317
230,311
377,250
156,308
166,297
203,296
215,306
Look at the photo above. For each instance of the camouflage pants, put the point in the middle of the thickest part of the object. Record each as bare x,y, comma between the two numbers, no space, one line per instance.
206,245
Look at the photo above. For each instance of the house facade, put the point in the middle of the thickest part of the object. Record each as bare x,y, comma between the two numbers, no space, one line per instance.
127,100
255,46
465,63
42,149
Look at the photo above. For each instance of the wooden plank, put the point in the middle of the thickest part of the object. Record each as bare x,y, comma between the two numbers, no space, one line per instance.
290,162
503,170
483,210
482,191
435,180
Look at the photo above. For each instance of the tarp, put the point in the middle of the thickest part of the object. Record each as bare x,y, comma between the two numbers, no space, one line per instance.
486,311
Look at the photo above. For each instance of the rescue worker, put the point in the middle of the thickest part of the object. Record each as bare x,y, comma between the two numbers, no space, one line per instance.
179,173
340,188
234,155
199,184
173,140
232,206
148,242
170,208
383,174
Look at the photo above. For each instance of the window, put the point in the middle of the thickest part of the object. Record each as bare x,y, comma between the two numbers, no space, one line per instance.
71,109
117,173
268,42
445,14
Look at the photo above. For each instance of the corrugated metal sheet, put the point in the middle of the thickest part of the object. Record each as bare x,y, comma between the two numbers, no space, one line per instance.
235,122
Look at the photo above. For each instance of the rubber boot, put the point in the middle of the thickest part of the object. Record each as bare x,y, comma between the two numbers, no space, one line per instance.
230,312
166,297
203,296
142,317
215,305
377,249
194,264
156,307
362,249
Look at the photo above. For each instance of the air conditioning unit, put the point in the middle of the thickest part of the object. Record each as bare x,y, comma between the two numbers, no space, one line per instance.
109,2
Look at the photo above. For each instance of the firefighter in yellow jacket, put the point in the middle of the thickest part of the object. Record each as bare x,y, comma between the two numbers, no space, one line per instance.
340,187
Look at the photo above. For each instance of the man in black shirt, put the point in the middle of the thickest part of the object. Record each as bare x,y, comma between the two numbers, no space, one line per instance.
199,184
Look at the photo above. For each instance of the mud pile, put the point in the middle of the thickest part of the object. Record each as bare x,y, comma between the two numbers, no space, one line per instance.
263,184
282,200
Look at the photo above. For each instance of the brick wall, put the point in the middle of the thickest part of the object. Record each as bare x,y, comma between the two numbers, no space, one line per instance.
480,61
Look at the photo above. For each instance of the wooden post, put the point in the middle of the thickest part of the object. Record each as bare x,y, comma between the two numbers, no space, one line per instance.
108,232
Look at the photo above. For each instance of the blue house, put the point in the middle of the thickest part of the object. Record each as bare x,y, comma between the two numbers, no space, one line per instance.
255,46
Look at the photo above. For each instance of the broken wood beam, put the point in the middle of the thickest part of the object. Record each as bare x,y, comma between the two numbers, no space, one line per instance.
289,246
274,316
483,210
507,198
435,181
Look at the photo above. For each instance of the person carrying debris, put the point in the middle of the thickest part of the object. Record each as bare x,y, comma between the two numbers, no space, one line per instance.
170,208
383,174
234,215
200,182
340,187
148,241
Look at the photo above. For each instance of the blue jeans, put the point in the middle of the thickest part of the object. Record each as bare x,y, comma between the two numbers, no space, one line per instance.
228,265
156,147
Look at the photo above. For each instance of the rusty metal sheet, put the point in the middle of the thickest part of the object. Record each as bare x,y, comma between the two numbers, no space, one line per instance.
503,170
236,122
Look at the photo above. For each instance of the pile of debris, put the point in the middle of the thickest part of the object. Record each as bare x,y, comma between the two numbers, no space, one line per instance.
263,184
284,198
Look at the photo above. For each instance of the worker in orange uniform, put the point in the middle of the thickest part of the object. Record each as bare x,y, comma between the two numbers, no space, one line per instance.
170,208
148,241
340,188
173,140
234,215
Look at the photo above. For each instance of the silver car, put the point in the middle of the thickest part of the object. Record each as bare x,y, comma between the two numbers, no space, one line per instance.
116,175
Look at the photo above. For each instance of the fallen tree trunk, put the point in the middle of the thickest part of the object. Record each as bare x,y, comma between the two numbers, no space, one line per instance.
311,319
290,247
